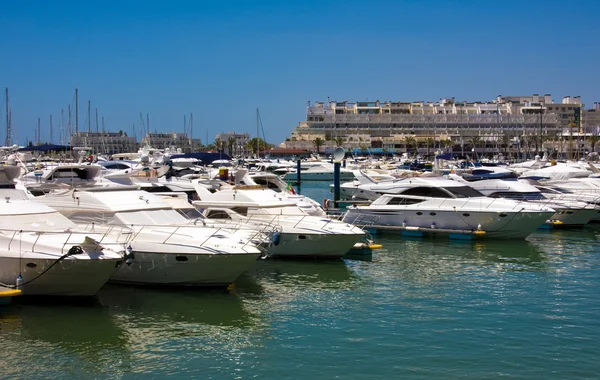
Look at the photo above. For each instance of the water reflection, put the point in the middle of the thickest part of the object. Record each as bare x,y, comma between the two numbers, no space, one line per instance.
426,261
522,252
34,335
280,289
194,306
308,274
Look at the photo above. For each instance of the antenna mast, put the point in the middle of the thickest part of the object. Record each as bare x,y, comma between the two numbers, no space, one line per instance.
8,131
89,116
62,126
191,132
76,112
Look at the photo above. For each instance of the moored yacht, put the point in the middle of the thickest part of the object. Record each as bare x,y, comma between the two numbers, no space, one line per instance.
43,253
167,248
306,235
442,206
503,183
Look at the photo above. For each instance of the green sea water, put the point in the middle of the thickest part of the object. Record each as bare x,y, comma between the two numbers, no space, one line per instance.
418,309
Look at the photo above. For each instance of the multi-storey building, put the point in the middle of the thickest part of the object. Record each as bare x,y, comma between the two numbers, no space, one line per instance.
105,142
483,126
234,144
168,140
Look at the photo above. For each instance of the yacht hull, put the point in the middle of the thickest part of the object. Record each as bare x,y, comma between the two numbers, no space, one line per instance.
211,270
73,276
314,245
573,217
497,225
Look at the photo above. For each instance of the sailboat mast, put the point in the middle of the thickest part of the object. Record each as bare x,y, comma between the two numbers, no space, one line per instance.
89,116
8,131
70,125
76,112
257,142
191,131
38,131
96,120
50,129
62,126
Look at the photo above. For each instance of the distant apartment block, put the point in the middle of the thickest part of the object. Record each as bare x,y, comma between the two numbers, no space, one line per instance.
168,140
105,142
234,144
386,125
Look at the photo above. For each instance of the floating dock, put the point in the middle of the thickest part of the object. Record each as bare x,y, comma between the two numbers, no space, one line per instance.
6,294
412,231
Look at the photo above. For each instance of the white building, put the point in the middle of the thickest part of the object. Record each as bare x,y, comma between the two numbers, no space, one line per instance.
168,140
105,142
447,122
234,144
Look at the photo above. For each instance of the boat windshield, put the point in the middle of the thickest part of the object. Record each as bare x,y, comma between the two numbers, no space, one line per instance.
162,217
45,221
464,192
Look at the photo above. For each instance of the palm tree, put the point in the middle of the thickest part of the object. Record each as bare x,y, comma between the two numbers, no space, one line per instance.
318,142
256,145
446,143
230,144
429,142
474,141
593,139
409,142
339,141
505,141
220,144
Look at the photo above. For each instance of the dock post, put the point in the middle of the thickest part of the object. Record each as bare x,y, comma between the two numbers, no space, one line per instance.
298,175
336,183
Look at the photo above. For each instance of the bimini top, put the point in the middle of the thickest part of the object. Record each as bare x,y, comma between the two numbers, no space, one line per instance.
116,200
31,216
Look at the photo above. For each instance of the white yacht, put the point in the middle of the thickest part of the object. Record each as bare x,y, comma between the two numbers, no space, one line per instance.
440,206
502,183
321,172
167,249
305,235
284,190
43,253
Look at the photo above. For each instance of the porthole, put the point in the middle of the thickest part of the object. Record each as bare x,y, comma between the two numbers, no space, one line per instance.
466,214
301,237
31,265
181,258
502,215
419,213
432,213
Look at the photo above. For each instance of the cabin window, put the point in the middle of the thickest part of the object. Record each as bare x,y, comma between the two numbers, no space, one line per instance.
526,196
241,210
463,192
217,214
403,201
427,192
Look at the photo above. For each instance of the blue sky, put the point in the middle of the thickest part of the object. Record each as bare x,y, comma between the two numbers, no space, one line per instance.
221,60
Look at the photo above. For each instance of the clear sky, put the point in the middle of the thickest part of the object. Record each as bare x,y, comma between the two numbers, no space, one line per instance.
221,60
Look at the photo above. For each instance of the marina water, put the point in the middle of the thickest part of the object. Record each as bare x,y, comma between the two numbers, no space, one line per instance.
418,309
